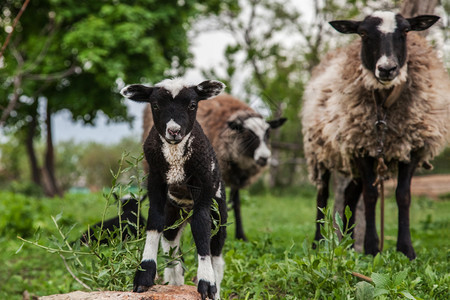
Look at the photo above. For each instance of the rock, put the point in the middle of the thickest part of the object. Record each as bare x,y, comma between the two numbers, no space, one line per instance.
157,292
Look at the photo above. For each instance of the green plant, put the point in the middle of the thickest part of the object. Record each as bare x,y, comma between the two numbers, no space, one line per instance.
98,266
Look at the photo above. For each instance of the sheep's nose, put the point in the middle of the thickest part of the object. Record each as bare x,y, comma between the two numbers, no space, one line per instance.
387,71
262,161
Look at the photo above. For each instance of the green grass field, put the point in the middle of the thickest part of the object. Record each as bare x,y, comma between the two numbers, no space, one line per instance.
277,262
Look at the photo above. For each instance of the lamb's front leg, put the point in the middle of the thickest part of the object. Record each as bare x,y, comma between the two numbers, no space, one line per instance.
201,231
145,275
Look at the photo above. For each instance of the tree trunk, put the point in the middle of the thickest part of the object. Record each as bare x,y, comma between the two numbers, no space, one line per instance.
49,164
31,132
412,8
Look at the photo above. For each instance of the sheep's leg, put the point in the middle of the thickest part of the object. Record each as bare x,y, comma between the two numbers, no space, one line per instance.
370,194
403,196
201,231
351,196
173,273
322,199
234,193
145,275
217,242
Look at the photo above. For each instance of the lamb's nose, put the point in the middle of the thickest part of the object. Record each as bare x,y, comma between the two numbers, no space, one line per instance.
173,132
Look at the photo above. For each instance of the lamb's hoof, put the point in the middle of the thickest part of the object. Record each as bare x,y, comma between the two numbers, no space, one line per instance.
145,276
207,289
140,289
408,250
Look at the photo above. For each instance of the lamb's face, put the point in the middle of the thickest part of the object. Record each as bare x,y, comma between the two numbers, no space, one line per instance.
253,137
383,35
174,116
174,104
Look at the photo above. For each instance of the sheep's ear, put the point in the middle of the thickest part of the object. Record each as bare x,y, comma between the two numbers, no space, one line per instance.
209,88
422,22
276,123
137,92
345,26
235,125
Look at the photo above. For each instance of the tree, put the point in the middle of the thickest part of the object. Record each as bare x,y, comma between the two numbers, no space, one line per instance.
67,55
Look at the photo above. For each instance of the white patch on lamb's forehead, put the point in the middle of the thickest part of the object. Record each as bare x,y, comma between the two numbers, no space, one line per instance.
388,22
257,125
174,86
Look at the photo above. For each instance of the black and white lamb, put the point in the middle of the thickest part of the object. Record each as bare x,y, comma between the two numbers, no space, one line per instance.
387,96
128,218
240,138
183,174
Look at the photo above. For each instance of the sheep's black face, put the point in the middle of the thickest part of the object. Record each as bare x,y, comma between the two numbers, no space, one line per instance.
253,135
383,36
174,104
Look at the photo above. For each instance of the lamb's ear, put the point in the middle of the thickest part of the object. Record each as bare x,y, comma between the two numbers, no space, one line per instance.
422,22
209,88
276,123
137,92
345,26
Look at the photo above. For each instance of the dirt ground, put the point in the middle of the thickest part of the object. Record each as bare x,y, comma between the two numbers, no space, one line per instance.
428,185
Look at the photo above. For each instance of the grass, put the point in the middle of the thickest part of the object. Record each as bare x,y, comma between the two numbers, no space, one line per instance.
277,262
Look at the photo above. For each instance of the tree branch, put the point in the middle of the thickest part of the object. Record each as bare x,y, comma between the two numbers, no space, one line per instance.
53,76
16,20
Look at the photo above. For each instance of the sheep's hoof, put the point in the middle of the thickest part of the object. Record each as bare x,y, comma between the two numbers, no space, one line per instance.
371,249
408,250
207,289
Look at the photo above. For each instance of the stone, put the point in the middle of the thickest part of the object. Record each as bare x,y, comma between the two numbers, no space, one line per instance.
157,292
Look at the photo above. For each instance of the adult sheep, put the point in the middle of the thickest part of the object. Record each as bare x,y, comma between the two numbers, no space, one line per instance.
240,138
385,97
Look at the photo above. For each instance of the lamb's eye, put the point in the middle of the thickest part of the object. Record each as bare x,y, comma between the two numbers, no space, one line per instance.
192,106
405,31
155,106
363,34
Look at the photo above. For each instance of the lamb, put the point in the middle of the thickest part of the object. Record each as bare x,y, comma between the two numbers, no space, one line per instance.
384,98
239,136
129,219
183,175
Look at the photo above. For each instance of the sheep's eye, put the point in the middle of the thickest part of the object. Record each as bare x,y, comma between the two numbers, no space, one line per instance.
363,34
192,106
155,106
405,31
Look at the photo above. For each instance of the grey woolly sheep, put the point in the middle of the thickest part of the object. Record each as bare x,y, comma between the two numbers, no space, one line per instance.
385,96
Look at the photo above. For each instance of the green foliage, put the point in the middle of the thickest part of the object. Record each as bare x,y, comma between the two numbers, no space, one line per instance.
277,263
